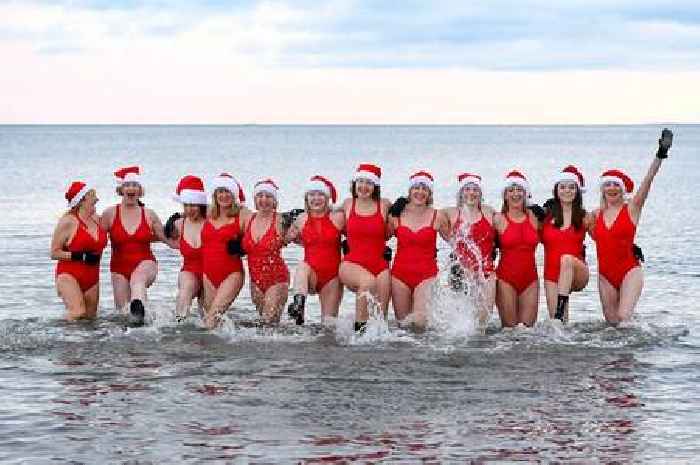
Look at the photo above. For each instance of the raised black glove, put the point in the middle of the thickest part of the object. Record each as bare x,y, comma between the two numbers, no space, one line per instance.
388,253
344,247
234,247
538,211
398,206
290,217
637,252
169,227
549,204
87,257
664,143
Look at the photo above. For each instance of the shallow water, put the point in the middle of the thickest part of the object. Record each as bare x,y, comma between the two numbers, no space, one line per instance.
93,392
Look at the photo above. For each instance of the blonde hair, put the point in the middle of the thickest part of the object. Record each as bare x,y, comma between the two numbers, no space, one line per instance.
307,207
215,210
460,197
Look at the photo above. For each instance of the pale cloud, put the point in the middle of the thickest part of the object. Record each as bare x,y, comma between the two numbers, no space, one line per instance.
349,61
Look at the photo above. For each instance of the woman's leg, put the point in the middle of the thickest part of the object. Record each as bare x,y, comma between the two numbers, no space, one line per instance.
69,290
421,299
363,283
507,303
528,302
121,290
630,291
142,277
609,300
330,297
226,293
402,299
188,286
273,302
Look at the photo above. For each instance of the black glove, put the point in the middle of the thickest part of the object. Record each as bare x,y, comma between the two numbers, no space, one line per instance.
664,143
88,257
549,204
496,246
234,247
398,206
290,217
344,247
637,252
538,211
388,254
170,225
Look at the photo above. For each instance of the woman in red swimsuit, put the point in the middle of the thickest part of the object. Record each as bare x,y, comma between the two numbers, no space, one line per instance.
563,231
132,228
364,268
473,236
188,232
620,277
517,289
77,244
222,269
318,230
415,267
262,241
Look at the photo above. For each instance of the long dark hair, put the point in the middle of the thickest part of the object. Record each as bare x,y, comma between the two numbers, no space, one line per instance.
577,211
376,193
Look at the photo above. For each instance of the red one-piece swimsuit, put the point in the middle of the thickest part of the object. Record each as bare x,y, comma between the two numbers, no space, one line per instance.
366,237
191,256
217,263
129,250
86,275
265,263
321,241
480,237
614,247
517,264
558,242
415,254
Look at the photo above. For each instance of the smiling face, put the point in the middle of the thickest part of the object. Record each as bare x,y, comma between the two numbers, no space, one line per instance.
87,204
514,196
470,196
612,192
316,201
364,188
566,191
223,198
265,202
131,192
420,195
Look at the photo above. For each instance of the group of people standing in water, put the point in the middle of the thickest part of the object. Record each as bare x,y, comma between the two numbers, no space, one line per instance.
214,232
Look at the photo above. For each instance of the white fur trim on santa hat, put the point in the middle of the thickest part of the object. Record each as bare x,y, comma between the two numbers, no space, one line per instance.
568,176
190,196
267,187
79,196
318,185
471,180
367,175
228,183
420,179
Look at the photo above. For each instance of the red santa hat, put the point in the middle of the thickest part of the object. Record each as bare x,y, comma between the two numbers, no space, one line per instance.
75,193
128,174
421,177
619,178
266,185
321,184
228,182
469,178
369,172
571,173
190,190
516,178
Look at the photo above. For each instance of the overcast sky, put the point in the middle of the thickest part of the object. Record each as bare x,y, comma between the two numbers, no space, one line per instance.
350,61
